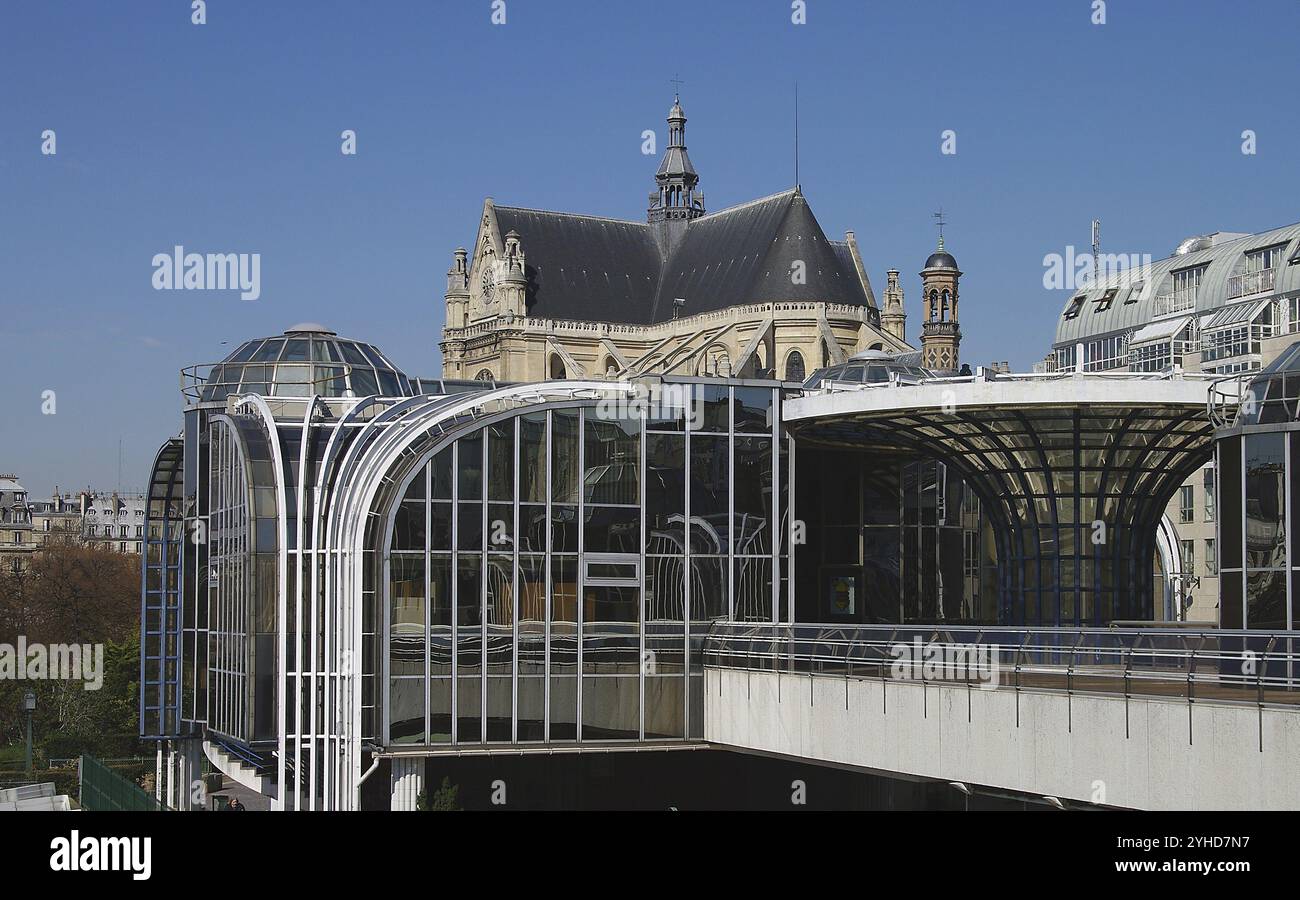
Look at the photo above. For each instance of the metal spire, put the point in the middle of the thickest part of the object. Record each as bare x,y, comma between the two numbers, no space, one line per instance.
797,186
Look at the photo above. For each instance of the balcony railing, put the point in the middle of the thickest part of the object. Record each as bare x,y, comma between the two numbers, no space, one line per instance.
1248,283
1175,302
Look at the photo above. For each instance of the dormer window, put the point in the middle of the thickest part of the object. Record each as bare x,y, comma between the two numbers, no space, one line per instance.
1105,300
1187,283
1075,307
1264,259
1258,276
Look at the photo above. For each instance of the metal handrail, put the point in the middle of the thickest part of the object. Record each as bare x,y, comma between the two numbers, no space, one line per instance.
1169,373
1231,667
195,379
1232,395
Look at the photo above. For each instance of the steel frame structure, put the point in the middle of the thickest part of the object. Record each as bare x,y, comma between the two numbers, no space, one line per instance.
1073,473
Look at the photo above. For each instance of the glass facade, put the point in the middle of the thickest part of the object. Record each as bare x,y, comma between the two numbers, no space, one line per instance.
1072,495
242,587
1258,482
1257,571
162,623
534,564
890,539
551,576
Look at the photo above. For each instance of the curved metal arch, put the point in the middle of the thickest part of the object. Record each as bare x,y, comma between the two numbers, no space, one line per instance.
238,443
267,418
360,476
976,479
344,583
1130,499
1107,469
1154,466
385,536
398,488
330,739
168,472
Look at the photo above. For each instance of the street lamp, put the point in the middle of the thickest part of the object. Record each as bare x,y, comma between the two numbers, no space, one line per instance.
29,704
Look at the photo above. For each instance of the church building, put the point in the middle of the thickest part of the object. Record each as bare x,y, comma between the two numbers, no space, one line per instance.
755,290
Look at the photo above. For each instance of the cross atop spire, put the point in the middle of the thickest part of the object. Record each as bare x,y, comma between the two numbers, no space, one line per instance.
677,87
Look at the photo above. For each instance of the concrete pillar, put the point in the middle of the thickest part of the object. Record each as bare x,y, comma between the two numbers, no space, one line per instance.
188,768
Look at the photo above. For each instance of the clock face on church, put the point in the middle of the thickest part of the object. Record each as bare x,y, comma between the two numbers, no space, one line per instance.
489,285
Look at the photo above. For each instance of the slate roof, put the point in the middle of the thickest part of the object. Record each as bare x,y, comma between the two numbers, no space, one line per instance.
584,267
607,270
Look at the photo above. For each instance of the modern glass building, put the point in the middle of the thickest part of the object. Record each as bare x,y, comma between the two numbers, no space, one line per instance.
346,563
337,562
1257,451
1069,474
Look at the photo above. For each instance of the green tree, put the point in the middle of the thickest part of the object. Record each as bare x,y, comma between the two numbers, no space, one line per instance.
443,800
72,594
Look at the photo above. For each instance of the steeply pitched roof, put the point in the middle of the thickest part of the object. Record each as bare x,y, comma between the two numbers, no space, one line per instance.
584,267
608,270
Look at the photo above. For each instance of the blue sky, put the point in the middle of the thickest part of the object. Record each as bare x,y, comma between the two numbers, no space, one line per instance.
225,138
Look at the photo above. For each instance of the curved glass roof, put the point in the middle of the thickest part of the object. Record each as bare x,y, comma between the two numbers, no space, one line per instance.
1272,395
305,360
871,367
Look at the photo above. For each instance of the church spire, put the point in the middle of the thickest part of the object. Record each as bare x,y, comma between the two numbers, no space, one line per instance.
675,196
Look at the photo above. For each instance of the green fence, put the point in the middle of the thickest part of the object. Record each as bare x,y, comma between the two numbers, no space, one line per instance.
102,789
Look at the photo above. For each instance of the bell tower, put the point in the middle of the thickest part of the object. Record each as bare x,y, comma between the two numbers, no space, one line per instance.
675,201
940,332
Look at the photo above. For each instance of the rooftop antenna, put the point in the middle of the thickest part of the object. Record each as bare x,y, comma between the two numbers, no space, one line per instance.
1096,248
939,221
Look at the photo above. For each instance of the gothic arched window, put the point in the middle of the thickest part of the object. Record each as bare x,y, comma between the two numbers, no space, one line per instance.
557,368
934,306
794,368
721,365
944,316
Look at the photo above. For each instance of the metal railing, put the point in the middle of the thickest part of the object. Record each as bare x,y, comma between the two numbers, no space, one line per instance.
1247,283
198,384
1209,666
1175,302
1168,373
1262,399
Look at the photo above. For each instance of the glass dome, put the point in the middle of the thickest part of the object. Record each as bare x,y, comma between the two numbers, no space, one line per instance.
307,359
870,367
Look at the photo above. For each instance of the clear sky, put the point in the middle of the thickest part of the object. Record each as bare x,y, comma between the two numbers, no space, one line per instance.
225,137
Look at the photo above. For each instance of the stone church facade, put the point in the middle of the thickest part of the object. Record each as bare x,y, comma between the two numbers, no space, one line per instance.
756,290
